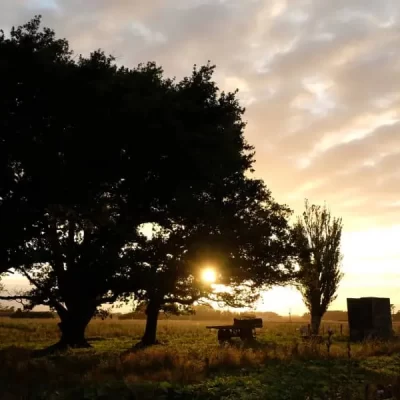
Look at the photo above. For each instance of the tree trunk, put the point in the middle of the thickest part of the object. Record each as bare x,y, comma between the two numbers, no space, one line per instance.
72,326
150,334
315,324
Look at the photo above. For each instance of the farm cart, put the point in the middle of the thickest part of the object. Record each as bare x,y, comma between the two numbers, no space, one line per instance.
245,329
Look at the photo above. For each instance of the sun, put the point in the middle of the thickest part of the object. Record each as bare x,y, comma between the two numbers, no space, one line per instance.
208,275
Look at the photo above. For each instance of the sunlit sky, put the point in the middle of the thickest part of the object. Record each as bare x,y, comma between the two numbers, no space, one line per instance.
320,81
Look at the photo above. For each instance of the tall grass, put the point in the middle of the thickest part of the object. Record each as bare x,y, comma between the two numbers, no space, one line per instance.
189,355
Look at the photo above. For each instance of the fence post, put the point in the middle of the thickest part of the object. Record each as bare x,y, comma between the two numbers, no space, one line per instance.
341,329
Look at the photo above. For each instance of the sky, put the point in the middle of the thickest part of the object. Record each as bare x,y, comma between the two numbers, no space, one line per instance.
320,80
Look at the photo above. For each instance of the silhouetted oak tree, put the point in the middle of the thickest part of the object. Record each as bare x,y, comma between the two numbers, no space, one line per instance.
248,243
92,151
171,277
318,238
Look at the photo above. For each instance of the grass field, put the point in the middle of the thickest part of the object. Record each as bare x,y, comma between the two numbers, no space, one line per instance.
189,364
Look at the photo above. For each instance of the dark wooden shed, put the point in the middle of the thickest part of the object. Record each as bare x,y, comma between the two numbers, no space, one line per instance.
369,317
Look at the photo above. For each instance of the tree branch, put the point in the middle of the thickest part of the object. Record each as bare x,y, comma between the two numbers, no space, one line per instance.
187,302
31,280
109,299
19,297
55,247
5,271
71,242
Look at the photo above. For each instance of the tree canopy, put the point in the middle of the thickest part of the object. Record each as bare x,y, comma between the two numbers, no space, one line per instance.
91,151
248,242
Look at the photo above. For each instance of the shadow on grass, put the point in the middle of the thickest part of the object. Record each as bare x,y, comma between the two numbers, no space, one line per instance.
97,339
243,371
60,348
229,373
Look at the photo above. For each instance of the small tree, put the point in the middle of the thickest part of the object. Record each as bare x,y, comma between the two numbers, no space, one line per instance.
318,238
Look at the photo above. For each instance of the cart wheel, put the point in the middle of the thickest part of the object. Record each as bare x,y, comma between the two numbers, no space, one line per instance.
225,343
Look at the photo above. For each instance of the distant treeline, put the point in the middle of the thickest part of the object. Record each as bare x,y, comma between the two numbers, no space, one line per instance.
204,313
201,313
26,314
342,316
331,316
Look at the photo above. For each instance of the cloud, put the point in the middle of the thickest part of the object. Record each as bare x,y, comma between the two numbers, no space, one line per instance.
319,80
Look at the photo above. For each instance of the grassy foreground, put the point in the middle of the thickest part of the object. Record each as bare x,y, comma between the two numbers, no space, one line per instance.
190,364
